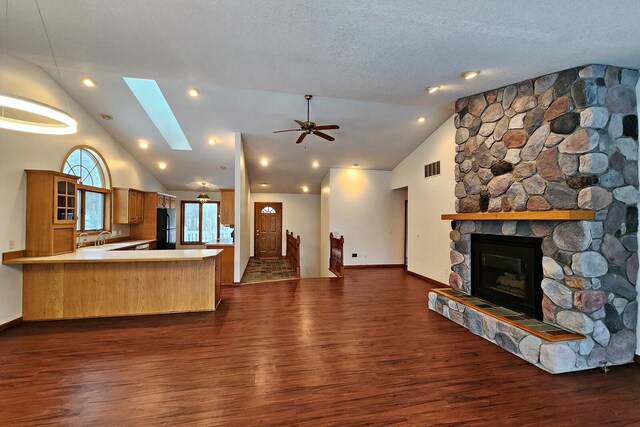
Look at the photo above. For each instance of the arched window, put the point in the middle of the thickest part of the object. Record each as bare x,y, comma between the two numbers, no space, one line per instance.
268,210
83,162
93,185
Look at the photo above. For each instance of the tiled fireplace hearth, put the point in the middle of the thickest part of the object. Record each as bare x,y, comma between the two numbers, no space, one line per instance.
565,141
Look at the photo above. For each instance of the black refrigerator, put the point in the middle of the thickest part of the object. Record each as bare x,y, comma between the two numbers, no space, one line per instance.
166,228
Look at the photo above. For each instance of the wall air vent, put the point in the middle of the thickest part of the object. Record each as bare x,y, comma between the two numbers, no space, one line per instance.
432,169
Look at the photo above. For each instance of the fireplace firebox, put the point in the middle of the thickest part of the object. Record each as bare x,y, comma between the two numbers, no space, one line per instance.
507,270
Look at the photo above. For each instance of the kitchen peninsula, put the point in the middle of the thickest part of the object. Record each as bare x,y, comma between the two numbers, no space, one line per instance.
100,283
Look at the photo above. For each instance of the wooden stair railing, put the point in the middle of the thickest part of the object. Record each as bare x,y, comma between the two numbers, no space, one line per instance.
336,256
293,252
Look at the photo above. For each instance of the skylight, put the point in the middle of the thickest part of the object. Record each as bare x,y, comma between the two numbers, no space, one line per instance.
149,95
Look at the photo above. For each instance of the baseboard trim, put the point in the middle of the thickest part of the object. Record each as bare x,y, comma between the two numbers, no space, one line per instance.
358,266
11,323
7,256
636,358
427,279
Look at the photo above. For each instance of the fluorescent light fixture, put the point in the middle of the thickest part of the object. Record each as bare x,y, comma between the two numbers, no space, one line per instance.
66,124
149,95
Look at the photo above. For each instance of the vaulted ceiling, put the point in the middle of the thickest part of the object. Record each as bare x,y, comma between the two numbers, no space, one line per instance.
366,62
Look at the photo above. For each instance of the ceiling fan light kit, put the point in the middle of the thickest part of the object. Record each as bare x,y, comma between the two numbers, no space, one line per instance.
308,127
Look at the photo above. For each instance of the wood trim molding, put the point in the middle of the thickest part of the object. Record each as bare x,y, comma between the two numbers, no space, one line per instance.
636,358
574,214
359,266
11,323
427,279
7,256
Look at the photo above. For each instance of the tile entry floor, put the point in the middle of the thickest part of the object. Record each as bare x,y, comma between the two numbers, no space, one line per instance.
268,269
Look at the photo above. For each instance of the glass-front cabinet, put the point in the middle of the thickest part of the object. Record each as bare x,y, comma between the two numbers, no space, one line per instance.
64,201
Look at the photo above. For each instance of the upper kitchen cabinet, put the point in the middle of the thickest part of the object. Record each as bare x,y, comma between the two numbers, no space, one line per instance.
51,213
128,206
166,201
227,207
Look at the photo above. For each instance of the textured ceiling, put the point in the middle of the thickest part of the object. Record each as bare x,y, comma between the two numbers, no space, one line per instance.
367,62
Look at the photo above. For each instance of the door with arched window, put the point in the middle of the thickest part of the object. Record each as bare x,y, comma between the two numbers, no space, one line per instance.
268,230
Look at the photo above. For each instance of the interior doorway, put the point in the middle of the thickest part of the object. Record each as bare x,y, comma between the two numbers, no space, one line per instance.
268,230
406,232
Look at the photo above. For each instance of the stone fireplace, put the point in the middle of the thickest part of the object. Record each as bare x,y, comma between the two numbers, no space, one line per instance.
563,142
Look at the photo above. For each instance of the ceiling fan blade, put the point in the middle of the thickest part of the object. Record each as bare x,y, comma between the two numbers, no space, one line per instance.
324,135
327,127
288,130
301,138
301,123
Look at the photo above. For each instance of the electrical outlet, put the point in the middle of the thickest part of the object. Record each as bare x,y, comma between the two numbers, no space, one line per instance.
12,244
354,255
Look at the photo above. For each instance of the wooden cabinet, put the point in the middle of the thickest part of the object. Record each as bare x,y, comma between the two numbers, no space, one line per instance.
225,259
166,201
128,206
227,207
51,213
64,200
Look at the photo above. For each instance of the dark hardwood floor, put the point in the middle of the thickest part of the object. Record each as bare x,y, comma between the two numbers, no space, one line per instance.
365,351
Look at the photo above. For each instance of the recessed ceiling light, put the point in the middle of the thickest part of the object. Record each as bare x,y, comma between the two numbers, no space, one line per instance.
264,162
468,75
264,185
433,89
211,141
88,82
143,143
355,165
315,164
106,116
305,189
222,167
421,119
162,165
193,92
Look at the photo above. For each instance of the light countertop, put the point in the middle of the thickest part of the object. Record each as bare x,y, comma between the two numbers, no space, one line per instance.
102,256
116,246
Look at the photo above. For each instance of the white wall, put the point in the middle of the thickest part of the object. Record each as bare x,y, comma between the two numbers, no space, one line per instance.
300,215
188,196
242,197
363,209
28,151
428,236
325,203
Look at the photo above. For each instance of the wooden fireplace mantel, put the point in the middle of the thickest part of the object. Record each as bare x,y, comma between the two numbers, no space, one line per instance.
567,215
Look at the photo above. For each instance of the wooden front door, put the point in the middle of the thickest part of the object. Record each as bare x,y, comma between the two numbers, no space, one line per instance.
268,230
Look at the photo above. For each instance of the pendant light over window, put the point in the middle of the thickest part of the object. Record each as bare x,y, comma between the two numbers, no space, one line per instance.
63,123
203,197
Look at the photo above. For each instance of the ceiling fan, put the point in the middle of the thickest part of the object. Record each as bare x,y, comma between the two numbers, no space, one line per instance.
309,127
